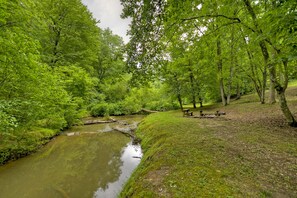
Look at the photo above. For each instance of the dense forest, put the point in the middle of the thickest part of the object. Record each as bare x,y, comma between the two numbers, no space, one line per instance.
57,65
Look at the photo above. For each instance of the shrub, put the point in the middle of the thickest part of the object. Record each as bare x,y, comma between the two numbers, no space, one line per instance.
23,142
101,109
162,105
116,109
131,105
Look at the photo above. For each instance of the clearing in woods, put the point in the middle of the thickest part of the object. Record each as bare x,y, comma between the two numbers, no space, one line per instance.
251,152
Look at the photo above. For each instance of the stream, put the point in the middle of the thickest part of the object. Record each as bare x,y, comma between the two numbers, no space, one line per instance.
95,162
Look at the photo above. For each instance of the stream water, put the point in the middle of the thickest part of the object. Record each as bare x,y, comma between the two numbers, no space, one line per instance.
91,164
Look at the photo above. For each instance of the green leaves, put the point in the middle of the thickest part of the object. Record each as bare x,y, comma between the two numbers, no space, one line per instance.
71,36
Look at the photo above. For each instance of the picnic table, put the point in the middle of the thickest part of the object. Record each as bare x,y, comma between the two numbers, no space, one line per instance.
187,112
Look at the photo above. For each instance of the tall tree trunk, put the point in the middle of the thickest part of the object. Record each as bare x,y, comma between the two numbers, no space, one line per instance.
262,46
232,64
254,76
231,72
266,59
193,88
281,94
271,91
272,73
256,81
284,107
178,91
279,88
201,102
55,49
230,85
220,71
180,101
238,94
229,91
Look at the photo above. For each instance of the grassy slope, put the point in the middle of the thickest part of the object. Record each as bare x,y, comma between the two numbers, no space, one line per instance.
250,152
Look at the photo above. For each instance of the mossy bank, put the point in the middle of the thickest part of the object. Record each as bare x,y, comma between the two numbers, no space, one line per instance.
22,143
250,152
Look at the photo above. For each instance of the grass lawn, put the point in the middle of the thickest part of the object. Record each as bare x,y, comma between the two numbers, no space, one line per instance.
250,152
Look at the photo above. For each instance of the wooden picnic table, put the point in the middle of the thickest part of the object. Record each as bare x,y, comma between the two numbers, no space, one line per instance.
187,112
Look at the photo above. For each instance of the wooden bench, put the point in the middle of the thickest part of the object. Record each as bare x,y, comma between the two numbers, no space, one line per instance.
187,112
218,113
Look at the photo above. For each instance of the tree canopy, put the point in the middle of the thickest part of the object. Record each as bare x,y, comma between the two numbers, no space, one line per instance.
242,44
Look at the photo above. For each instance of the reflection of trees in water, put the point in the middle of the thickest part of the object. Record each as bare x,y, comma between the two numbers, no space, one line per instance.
113,173
82,164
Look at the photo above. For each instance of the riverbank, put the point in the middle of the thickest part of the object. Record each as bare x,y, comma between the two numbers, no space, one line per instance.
250,152
18,144
22,143
94,162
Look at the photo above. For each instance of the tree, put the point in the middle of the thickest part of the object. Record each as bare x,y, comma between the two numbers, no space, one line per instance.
157,23
264,40
31,93
70,35
110,57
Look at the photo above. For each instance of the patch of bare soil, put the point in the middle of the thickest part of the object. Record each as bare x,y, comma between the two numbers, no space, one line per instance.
261,145
155,179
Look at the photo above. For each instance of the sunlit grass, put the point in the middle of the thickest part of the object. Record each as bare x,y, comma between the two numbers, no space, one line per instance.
190,106
293,83
241,154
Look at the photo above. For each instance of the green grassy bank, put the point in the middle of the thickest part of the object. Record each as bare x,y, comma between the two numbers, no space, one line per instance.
22,143
250,152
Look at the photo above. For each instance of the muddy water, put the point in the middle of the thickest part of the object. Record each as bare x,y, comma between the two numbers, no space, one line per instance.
87,165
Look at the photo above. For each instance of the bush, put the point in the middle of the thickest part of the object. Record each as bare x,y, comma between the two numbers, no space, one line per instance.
54,121
116,109
131,105
23,142
162,106
101,109
7,122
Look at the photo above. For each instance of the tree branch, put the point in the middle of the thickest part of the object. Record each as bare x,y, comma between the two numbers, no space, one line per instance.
236,19
211,16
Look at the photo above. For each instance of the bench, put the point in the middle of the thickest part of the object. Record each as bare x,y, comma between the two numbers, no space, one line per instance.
187,112
218,113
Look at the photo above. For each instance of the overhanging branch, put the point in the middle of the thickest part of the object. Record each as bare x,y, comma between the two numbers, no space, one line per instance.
235,19
211,16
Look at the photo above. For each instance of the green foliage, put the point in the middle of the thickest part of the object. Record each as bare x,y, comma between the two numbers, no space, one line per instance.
7,121
154,97
77,82
125,107
21,143
131,105
116,109
162,105
48,54
109,65
241,44
71,36
100,109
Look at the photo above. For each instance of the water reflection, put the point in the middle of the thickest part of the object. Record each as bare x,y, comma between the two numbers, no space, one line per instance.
80,166
130,158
